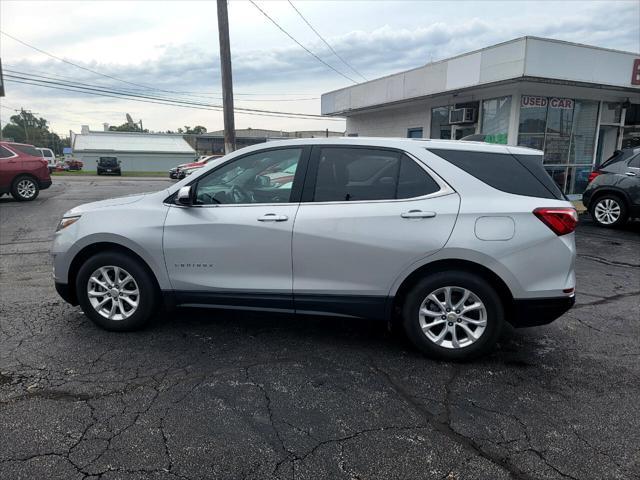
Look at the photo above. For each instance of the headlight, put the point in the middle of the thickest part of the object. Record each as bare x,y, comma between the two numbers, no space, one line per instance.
66,221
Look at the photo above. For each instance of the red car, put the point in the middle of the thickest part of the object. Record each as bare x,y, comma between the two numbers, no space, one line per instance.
23,171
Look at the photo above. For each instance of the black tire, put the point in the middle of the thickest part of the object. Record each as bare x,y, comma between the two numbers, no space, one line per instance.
22,184
147,298
475,284
617,200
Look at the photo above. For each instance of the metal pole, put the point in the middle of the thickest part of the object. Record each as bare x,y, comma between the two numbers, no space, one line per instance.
227,81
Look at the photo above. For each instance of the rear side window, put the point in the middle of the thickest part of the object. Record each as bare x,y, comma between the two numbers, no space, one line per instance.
28,150
635,161
505,172
413,181
352,174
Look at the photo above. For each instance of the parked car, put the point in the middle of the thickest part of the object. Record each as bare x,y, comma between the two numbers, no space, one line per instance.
73,164
450,239
49,156
179,171
613,193
109,166
23,171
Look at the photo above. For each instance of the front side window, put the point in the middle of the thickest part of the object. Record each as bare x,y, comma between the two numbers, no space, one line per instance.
635,161
263,177
353,174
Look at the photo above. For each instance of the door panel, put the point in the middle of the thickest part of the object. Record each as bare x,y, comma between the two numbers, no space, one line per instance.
230,247
360,248
233,245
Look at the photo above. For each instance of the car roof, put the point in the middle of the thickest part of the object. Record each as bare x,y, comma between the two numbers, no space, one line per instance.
402,143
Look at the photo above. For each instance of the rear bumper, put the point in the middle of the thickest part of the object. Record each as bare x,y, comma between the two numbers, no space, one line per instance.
44,184
65,292
539,311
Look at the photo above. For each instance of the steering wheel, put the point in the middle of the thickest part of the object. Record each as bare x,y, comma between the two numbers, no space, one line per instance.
240,195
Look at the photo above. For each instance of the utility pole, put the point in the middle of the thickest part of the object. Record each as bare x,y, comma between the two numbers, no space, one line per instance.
23,114
227,81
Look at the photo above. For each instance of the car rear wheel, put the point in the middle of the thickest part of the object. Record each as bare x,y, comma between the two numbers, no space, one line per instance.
116,292
609,211
453,316
25,188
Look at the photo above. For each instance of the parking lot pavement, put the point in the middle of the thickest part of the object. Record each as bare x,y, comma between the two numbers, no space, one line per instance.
209,394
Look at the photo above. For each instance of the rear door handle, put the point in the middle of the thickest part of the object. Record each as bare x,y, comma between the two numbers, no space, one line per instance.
630,174
417,214
272,217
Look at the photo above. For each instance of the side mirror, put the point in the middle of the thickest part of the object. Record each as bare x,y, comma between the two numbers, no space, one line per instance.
184,197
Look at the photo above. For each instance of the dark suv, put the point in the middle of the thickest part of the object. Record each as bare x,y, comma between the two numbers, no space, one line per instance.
23,171
613,193
109,165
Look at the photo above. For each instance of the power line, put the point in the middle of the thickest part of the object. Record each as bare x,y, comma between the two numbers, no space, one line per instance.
325,42
157,100
82,86
129,90
301,45
145,87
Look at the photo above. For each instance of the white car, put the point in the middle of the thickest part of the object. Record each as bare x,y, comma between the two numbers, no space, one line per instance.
452,239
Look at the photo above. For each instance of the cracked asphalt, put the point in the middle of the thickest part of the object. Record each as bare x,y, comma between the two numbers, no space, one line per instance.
230,395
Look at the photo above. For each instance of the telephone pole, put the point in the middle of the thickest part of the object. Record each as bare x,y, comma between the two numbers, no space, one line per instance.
227,81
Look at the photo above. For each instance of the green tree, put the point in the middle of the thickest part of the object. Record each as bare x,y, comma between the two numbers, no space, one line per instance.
197,130
126,127
27,128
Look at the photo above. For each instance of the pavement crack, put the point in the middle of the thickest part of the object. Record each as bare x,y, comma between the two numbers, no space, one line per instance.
604,261
444,427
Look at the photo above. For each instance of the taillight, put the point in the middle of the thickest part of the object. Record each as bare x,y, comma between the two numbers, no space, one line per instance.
593,175
561,220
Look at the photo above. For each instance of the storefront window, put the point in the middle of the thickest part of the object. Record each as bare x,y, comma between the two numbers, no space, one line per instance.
533,121
440,128
611,113
583,135
565,129
495,119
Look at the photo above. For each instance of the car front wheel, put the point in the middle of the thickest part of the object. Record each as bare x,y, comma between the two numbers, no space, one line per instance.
609,211
25,189
453,316
116,292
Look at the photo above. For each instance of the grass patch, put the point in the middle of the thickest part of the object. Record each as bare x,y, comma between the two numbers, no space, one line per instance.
80,173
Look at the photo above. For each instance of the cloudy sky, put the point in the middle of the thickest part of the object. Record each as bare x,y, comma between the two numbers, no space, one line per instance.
172,47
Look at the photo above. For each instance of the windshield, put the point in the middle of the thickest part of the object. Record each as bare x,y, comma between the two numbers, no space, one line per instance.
108,161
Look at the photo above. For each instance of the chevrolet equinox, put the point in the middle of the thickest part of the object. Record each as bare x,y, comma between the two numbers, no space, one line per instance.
451,239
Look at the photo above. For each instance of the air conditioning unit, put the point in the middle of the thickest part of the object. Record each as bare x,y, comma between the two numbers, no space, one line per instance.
462,115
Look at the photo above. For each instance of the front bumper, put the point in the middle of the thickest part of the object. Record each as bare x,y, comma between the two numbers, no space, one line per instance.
44,184
539,311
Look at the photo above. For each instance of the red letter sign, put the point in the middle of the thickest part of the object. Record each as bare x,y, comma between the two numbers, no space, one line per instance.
635,74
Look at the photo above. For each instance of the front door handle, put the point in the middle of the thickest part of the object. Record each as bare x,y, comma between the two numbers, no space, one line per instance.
272,217
417,214
630,174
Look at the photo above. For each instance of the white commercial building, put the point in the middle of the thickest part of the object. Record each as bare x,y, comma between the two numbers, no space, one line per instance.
577,103
137,152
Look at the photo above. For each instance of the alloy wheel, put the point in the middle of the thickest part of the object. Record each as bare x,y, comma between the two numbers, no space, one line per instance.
113,293
453,317
26,188
607,211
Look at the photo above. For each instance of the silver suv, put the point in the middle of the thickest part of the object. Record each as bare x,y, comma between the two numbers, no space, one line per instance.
452,239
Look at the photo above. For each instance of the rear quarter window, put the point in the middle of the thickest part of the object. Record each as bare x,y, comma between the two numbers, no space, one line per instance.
504,172
27,150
